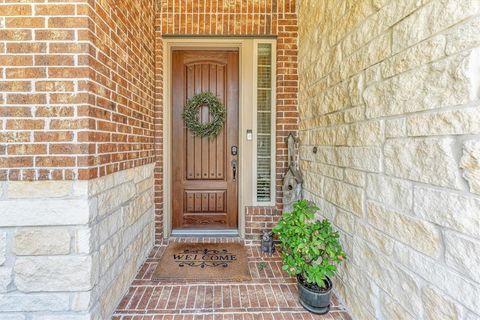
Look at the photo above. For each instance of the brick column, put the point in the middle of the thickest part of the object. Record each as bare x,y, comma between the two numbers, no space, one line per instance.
76,154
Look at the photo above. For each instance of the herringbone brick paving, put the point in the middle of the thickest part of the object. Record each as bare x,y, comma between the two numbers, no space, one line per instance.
270,294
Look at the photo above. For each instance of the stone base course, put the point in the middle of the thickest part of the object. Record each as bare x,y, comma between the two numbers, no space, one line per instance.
76,246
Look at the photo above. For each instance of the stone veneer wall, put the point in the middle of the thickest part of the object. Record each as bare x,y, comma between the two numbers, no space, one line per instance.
389,94
235,18
70,249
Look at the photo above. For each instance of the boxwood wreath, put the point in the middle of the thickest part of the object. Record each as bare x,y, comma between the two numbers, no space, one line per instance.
191,114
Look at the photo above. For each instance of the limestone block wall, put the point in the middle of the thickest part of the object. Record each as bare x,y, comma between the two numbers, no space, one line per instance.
389,96
69,249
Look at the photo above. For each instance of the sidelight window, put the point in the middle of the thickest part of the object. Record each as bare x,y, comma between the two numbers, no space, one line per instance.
265,178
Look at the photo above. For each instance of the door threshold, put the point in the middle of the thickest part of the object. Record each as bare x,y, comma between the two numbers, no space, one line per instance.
205,233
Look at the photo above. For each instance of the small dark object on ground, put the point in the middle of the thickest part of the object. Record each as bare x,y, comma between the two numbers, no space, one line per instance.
268,246
261,265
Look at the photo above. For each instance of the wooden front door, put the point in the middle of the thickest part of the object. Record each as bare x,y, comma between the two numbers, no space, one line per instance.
204,182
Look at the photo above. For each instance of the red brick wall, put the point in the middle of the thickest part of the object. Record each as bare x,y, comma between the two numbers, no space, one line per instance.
236,17
122,86
76,88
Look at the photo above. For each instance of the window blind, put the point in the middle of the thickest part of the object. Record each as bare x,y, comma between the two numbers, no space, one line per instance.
264,122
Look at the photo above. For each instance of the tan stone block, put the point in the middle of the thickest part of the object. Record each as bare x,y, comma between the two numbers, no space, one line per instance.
389,13
326,209
82,240
470,163
438,275
464,36
425,52
355,13
109,252
463,121
81,301
41,212
392,310
39,189
441,84
313,183
99,185
354,114
448,209
44,302
389,275
5,278
326,170
463,254
428,160
361,158
420,25
373,74
378,239
144,185
421,235
62,273
360,284
344,195
374,52
394,193
3,247
137,208
41,241
113,292
356,86
438,305
345,221
3,189
369,133
358,307
335,98
355,177
331,136
112,199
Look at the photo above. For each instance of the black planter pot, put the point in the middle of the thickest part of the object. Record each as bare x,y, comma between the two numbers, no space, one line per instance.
315,301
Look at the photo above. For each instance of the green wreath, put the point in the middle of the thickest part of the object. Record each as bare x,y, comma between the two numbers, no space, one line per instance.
192,118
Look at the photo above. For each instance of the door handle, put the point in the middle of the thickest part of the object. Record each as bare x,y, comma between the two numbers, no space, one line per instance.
234,169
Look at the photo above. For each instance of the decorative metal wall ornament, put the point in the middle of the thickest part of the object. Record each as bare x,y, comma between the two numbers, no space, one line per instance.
216,110
292,180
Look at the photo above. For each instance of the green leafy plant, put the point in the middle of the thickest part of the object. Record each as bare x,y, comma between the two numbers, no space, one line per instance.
309,248
261,265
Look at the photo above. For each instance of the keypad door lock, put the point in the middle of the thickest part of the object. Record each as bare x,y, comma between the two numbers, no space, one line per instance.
234,150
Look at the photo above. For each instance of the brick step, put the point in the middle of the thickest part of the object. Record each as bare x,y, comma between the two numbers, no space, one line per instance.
301,315
334,315
212,298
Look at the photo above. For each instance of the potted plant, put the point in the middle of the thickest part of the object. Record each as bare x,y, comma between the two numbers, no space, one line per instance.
311,251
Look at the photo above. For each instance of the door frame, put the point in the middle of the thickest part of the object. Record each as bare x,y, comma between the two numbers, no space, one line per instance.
247,120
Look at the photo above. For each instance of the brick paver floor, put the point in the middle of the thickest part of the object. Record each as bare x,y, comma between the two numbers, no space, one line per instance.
270,294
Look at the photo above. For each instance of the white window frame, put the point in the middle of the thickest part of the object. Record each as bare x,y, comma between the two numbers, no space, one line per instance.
273,135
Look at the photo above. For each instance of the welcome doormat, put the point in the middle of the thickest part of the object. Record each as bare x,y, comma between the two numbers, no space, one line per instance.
203,262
